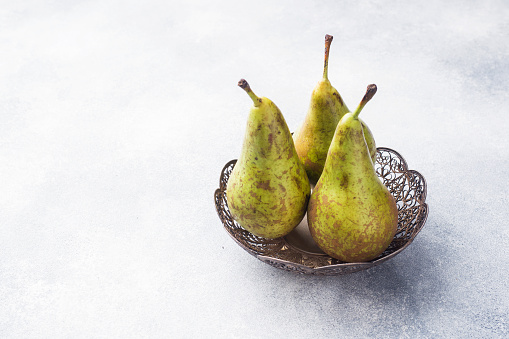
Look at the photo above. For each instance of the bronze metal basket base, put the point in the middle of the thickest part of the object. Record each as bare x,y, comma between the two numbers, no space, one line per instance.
298,252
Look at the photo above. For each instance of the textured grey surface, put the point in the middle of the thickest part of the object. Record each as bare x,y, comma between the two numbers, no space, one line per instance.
117,117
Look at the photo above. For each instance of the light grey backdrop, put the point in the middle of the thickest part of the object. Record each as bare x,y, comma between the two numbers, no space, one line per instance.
116,118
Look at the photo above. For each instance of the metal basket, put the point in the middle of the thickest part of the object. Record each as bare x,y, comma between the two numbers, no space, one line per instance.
407,186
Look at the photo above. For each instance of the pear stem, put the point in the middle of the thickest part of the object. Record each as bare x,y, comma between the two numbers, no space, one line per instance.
328,40
245,86
370,92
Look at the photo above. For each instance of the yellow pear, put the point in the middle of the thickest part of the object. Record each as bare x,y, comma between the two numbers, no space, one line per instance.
268,189
351,215
313,137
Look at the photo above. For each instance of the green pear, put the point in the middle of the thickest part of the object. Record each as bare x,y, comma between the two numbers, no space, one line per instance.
352,216
313,137
268,189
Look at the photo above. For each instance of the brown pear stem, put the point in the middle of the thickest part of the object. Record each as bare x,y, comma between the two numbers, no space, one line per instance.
370,92
245,86
328,41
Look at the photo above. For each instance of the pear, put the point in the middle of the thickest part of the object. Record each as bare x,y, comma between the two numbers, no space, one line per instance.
313,137
351,215
268,190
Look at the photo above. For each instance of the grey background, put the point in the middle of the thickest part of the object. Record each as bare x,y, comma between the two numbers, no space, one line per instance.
116,118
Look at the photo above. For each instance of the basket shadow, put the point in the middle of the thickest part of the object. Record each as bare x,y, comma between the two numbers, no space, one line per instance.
411,278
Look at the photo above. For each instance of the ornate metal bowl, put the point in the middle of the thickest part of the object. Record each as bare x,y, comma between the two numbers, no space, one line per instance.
297,251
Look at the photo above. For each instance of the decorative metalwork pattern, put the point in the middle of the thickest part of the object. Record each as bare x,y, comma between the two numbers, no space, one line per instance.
407,186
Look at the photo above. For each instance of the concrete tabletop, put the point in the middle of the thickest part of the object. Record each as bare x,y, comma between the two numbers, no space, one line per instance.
116,118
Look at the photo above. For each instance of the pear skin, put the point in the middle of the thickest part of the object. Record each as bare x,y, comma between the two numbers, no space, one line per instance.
352,216
268,190
370,141
326,108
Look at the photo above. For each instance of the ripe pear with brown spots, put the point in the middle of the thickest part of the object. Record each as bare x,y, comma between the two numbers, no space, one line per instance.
268,189
352,216
313,137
